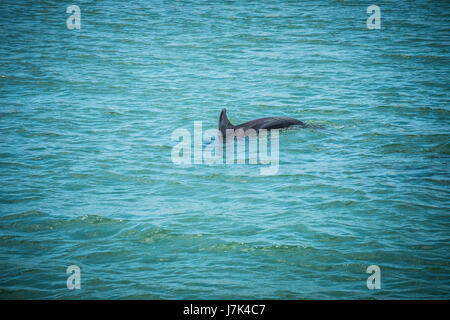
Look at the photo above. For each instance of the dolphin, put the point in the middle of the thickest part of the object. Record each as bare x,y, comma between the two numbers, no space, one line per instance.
257,124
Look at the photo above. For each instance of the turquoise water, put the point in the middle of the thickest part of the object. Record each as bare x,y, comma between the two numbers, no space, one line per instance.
86,175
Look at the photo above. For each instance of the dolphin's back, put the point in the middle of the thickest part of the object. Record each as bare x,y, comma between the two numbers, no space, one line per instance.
269,123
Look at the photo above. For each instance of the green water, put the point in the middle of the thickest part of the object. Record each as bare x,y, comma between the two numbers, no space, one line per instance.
86,118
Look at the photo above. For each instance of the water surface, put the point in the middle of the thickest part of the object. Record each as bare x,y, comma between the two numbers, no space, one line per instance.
86,175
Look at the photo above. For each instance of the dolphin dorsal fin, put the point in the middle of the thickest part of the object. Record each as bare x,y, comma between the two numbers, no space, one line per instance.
224,123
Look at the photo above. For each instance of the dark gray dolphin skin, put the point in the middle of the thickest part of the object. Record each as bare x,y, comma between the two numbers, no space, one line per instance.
261,123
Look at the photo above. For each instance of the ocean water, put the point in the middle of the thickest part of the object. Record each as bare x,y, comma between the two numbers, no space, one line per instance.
87,179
